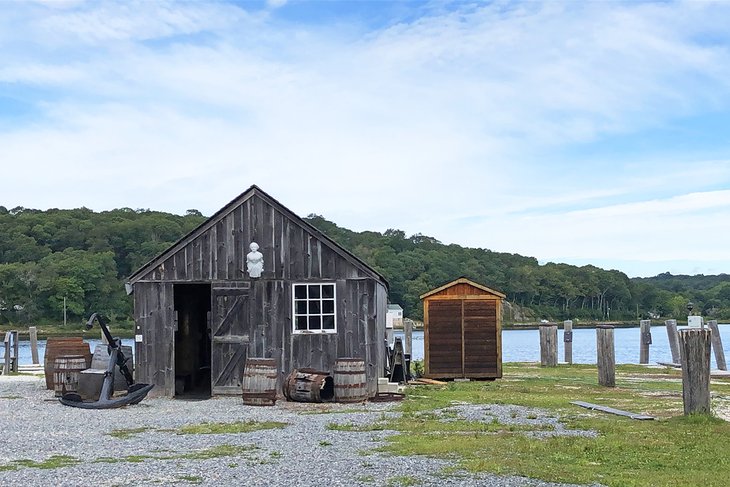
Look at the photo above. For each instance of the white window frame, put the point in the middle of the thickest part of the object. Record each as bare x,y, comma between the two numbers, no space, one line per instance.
307,300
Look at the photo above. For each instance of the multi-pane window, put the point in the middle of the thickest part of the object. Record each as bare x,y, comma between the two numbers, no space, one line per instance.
314,308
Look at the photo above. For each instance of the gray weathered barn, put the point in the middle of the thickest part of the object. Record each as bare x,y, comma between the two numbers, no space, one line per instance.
200,310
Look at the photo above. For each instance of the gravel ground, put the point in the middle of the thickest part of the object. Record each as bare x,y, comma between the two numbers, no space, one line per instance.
35,426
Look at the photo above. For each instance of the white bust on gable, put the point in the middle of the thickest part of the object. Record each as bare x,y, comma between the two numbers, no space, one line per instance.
254,261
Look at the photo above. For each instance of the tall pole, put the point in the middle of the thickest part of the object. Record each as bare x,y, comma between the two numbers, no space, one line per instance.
64,311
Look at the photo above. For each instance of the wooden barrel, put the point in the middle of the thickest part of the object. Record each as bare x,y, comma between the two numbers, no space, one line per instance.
66,371
309,385
259,381
350,380
55,347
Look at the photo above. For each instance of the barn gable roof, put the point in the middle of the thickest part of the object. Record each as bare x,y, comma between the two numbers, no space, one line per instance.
239,200
462,280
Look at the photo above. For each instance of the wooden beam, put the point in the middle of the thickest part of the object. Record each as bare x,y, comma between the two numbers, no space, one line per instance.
607,409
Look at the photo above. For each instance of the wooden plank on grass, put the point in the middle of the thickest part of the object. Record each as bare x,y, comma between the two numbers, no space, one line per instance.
607,409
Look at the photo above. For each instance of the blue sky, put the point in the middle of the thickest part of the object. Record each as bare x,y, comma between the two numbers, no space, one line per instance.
578,132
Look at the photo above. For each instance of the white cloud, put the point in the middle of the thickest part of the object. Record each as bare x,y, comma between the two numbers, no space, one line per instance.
451,124
276,3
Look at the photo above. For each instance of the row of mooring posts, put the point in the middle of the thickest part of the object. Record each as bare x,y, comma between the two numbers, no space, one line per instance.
690,347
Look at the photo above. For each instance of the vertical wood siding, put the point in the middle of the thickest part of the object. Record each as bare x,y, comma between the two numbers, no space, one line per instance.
462,335
292,254
155,320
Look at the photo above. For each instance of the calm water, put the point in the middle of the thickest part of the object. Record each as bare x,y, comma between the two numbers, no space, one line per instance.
26,358
524,345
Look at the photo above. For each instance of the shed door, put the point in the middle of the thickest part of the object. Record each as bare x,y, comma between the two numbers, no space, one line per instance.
229,337
462,337
480,337
445,344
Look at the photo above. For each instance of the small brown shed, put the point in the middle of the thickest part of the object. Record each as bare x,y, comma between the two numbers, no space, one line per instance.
462,331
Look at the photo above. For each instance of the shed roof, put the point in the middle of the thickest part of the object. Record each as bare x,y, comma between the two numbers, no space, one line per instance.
462,280
240,199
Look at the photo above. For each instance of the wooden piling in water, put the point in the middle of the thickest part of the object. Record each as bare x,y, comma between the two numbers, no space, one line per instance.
568,340
549,345
694,346
717,345
645,328
33,332
673,339
10,359
606,356
408,329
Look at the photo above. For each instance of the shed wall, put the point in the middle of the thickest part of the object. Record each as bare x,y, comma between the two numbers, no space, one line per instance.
462,333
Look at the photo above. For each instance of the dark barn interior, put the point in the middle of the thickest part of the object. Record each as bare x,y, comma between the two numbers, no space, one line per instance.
192,340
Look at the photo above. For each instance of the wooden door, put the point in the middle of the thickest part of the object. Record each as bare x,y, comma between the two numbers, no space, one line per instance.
462,338
480,338
445,345
230,338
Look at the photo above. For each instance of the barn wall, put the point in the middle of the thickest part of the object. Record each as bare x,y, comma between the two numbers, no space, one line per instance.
219,253
154,316
292,254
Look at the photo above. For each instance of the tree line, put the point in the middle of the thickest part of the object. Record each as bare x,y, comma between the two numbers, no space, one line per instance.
83,258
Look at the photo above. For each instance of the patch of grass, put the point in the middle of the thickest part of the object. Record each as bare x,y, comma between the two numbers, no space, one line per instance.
59,461
56,461
124,434
192,479
329,411
674,450
377,426
127,459
217,451
11,396
365,478
325,443
230,428
402,481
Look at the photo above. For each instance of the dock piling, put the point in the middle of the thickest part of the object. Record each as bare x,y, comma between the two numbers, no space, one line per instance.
694,346
548,345
645,327
606,359
568,340
717,345
673,339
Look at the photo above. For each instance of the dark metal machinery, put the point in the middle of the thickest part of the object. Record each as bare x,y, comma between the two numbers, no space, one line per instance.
135,392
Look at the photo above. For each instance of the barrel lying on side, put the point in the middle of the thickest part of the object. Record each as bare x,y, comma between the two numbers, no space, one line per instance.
259,381
309,385
350,380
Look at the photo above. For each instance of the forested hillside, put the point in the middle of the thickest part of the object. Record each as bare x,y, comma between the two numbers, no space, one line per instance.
79,255
85,257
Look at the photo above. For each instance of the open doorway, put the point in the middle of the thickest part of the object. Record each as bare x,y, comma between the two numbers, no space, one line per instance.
192,340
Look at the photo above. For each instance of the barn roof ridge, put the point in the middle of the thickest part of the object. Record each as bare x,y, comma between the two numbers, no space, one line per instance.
230,206
462,280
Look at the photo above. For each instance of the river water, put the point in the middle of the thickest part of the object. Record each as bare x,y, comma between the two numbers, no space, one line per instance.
524,345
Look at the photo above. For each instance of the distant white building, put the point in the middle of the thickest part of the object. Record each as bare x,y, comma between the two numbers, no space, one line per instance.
394,316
